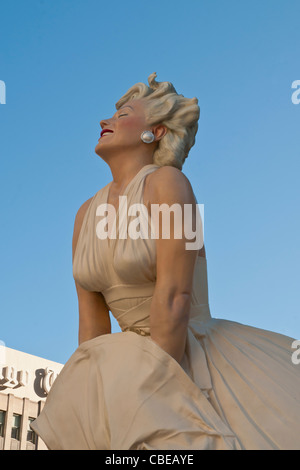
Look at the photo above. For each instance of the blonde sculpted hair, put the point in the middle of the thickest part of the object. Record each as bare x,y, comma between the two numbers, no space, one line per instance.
179,114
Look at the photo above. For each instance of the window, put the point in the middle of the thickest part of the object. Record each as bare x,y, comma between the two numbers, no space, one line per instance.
2,423
16,426
31,436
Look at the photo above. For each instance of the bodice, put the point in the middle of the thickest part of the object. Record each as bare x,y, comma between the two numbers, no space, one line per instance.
124,269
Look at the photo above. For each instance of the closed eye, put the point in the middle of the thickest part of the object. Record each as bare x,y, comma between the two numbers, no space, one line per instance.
122,115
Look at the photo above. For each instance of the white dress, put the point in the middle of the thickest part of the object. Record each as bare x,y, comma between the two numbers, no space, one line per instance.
236,388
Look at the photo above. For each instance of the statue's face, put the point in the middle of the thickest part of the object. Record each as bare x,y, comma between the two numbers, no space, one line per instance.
124,129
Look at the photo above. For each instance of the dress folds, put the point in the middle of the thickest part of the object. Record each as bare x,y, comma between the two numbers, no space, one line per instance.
235,389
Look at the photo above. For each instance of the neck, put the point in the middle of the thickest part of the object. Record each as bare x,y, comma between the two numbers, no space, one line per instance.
123,169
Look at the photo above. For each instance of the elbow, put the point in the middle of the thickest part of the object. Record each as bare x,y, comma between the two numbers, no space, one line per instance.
180,308
171,309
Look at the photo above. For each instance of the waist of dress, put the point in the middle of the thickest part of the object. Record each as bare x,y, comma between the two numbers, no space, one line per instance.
198,314
140,331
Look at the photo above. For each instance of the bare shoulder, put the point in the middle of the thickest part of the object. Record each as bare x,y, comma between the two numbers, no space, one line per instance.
168,182
169,185
78,222
168,173
82,210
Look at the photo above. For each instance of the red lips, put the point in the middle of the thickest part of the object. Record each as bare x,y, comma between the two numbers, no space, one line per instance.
105,130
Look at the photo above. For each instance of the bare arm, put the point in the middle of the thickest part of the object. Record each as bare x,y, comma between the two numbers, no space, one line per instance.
94,317
170,305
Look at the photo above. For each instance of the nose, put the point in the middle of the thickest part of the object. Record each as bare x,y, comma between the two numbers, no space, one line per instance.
104,123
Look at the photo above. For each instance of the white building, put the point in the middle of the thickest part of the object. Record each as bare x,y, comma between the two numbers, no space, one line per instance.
25,382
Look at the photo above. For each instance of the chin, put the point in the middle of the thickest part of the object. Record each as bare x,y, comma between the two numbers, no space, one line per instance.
99,151
97,148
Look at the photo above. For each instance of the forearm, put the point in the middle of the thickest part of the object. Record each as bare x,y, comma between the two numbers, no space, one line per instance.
168,323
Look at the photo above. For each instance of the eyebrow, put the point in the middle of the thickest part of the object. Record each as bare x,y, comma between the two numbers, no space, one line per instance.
127,106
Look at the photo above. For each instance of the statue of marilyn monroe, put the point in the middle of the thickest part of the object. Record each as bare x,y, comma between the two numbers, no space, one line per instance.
174,377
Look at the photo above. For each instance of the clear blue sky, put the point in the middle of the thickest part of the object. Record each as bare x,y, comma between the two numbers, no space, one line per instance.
65,65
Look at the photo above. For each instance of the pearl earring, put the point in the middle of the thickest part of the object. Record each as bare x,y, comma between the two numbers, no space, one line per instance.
147,137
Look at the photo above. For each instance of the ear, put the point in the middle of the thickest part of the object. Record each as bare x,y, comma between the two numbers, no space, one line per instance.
159,131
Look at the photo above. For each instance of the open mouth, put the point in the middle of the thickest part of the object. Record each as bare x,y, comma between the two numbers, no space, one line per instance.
105,132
